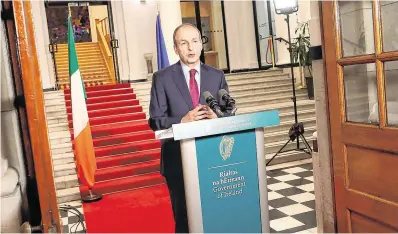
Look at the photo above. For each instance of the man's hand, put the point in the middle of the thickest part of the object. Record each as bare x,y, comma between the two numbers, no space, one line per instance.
210,113
196,114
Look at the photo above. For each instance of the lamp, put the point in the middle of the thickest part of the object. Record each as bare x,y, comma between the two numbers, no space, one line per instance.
287,7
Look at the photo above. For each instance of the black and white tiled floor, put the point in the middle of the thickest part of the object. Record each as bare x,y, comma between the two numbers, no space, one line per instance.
72,220
291,199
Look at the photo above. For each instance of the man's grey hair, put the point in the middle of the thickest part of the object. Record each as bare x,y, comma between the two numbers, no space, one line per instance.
184,25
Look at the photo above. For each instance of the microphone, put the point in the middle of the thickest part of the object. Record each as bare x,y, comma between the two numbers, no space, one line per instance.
229,101
212,102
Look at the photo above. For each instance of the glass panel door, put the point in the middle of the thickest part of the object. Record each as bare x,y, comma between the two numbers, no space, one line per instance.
211,25
266,31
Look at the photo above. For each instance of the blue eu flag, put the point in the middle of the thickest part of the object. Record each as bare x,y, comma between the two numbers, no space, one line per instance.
163,60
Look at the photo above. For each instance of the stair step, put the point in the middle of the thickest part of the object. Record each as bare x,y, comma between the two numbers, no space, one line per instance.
65,65
58,127
274,147
87,84
268,99
61,159
110,111
258,93
254,74
265,88
126,159
250,79
102,93
285,126
126,148
124,138
118,128
87,77
259,82
128,170
88,81
122,184
83,72
110,98
281,107
60,141
102,87
81,55
65,182
301,114
113,119
107,105
68,195
56,120
64,170
282,135
85,69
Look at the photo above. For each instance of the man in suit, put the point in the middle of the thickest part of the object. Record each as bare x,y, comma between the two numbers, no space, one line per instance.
176,98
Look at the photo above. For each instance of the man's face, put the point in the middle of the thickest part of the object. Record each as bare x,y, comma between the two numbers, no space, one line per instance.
188,45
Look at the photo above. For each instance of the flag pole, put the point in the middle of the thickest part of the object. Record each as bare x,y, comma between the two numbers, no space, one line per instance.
85,154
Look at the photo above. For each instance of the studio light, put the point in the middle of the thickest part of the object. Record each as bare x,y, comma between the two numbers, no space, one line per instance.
285,6
296,131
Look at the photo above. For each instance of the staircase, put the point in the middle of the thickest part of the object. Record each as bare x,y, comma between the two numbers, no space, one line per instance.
258,91
127,154
92,65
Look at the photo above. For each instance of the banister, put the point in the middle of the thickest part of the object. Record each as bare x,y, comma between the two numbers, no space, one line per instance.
106,53
37,124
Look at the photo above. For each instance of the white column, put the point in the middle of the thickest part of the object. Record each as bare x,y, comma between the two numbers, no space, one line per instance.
42,42
170,16
239,20
219,39
12,164
120,35
321,159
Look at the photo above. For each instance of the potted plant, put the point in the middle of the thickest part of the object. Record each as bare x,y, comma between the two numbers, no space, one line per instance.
301,54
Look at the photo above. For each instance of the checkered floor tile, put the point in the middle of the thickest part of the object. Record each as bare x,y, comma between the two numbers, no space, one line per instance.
72,220
291,199
291,203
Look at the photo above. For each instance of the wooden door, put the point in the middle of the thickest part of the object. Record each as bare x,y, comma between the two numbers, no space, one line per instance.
361,55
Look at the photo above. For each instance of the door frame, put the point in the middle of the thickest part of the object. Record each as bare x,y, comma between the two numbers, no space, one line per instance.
343,133
199,26
114,41
257,35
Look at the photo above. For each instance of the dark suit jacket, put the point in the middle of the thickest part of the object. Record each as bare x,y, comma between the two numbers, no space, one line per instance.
171,101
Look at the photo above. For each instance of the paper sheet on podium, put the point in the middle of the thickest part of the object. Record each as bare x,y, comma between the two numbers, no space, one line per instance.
164,134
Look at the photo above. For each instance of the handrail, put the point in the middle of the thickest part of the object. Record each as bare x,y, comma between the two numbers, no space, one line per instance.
33,91
104,25
53,48
106,53
280,39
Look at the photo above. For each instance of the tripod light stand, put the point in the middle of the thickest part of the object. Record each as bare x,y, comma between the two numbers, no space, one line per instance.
296,131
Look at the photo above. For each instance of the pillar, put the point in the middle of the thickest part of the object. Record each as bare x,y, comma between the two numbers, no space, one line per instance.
170,16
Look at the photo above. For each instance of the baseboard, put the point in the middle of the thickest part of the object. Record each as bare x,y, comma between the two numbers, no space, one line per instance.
49,89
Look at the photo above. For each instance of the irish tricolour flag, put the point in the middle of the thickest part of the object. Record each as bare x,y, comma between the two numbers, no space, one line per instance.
84,149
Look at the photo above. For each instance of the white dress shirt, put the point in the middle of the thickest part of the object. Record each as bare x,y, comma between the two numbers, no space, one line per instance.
187,75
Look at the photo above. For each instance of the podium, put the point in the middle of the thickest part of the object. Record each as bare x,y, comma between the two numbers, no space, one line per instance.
224,172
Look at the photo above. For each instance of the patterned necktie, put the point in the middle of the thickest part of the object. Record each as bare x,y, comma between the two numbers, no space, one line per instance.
193,88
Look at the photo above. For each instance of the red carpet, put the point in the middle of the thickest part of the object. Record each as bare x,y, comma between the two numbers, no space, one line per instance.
128,157
125,147
143,210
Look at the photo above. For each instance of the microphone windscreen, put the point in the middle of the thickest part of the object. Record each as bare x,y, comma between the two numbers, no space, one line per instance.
221,93
206,95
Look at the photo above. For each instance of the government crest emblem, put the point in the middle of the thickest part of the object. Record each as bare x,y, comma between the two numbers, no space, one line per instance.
226,146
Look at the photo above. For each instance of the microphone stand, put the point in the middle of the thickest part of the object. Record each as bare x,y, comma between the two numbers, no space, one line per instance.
297,129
